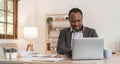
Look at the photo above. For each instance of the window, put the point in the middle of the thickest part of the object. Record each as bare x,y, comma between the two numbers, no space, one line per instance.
8,19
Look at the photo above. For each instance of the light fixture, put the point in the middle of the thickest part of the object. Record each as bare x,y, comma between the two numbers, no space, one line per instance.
30,32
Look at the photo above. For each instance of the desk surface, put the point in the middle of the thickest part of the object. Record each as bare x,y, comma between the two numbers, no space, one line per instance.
115,59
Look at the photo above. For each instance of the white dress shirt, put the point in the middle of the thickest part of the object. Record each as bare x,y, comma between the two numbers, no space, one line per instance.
76,35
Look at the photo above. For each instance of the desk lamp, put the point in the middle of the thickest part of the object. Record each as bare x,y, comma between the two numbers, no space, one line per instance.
30,32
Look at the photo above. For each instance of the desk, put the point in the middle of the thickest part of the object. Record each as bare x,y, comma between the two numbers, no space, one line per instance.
115,59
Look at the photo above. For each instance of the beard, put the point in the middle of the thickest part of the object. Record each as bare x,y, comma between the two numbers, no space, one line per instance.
77,28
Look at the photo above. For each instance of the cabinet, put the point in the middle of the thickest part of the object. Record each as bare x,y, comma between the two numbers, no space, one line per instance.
54,23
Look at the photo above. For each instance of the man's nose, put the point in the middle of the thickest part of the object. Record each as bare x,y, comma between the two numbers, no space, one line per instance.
76,23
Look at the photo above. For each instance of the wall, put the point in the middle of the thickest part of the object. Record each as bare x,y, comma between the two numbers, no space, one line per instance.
26,17
103,15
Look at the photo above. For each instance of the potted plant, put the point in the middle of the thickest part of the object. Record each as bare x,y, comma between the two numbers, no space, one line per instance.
7,53
13,53
49,23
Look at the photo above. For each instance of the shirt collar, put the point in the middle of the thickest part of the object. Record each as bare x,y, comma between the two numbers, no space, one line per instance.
71,29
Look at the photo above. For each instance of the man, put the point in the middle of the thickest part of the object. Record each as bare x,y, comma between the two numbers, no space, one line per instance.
77,30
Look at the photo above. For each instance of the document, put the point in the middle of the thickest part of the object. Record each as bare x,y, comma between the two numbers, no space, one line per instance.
52,59
29,56
41,59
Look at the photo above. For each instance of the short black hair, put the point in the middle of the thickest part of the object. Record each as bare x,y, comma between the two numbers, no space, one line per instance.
75,10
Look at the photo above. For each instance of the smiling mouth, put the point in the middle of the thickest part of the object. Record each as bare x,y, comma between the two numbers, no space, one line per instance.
77,28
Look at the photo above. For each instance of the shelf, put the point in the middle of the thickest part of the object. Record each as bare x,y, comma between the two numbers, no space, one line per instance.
59,21
58,27
56,14
53,37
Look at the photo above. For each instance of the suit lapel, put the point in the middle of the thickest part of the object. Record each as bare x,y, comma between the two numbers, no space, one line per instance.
85,32
69,35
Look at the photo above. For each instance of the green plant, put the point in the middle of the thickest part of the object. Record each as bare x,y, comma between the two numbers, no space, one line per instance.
49,20
49,23
13,50
7,50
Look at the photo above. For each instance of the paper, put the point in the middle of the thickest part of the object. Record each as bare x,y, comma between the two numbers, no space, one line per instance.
30,59
41,59
52,59
29,56
39,55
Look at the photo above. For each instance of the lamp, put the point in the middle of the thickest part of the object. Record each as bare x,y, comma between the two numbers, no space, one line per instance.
30,32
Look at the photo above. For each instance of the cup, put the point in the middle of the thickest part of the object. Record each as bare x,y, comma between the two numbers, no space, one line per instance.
107,53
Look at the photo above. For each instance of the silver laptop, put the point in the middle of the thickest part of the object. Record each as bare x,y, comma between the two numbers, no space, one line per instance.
88,48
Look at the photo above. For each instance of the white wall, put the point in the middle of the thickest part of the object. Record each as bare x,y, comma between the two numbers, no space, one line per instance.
103,15
26,17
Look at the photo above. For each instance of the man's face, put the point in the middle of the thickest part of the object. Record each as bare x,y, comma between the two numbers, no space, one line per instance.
76,21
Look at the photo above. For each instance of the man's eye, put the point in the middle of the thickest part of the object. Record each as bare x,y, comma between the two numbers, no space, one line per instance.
79,20
73,21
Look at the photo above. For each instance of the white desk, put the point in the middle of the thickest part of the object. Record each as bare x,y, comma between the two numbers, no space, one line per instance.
115,59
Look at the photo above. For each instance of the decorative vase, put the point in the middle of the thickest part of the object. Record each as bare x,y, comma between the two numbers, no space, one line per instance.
14,55
7,55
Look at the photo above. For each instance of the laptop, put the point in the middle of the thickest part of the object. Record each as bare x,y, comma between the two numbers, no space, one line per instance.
88,48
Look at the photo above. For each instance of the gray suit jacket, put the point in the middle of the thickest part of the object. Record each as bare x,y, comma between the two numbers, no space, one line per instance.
64,40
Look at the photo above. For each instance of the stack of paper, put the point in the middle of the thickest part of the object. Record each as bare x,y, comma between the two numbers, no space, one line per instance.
52,59
41,59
